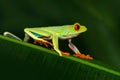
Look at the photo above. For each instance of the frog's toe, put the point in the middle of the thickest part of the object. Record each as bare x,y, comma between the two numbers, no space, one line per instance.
65,53
45,43
82,56
89,57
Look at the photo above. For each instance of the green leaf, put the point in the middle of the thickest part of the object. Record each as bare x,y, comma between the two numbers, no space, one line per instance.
21,60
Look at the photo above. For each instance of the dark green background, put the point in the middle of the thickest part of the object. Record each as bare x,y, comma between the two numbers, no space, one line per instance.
101,17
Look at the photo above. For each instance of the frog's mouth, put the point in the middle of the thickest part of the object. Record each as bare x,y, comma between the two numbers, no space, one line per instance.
69,36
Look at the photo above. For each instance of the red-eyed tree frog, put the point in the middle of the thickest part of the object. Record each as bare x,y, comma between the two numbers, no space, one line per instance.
41,35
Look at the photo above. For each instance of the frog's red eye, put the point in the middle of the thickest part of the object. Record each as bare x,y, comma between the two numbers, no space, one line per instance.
76,27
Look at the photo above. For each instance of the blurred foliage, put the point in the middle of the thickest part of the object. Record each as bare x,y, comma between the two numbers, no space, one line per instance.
101,17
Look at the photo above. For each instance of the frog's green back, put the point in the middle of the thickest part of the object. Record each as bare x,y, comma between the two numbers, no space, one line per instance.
62,30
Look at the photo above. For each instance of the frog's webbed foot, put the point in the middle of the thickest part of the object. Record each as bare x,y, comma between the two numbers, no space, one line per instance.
65,53
77,52
46,43
83,56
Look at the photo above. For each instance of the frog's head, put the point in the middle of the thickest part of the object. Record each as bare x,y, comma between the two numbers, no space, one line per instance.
73,30
77,29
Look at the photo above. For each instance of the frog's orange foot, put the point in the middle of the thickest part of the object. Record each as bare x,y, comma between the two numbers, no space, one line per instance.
43,43
88,57
65,53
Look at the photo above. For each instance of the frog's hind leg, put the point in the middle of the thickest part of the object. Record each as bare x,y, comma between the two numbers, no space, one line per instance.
26,38
38,38
10,35
44,42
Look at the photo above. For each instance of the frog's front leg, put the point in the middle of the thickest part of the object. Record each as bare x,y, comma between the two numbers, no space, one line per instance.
77,52
56,46
73,47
